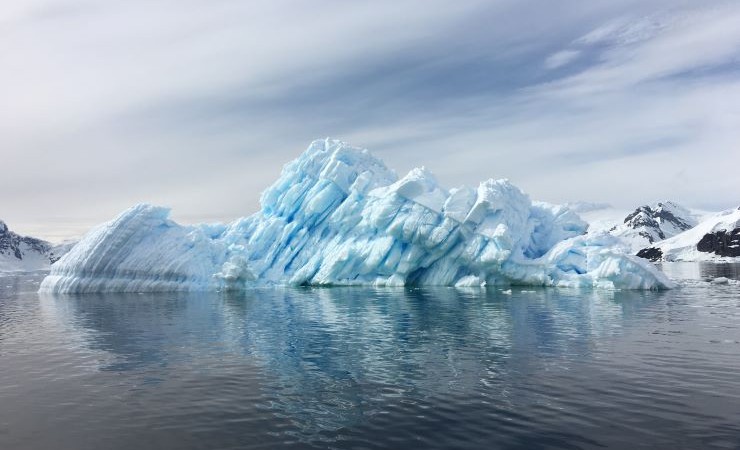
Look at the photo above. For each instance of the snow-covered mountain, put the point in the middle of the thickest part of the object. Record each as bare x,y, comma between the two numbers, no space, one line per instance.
21,253
649,224
338,216
715,238
642,227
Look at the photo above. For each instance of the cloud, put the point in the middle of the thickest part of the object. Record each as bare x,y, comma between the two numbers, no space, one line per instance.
561,58
198,104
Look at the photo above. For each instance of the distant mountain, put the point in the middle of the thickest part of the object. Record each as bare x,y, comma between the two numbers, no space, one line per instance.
649,224
642,227
716,237
22,253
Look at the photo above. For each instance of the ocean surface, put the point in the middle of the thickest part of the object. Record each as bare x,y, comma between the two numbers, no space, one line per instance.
352,368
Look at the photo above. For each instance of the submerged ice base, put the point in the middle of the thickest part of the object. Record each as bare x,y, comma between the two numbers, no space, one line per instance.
338,216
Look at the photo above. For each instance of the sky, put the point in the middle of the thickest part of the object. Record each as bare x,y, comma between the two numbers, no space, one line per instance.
197,104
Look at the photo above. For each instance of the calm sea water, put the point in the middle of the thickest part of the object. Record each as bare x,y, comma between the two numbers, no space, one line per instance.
363,368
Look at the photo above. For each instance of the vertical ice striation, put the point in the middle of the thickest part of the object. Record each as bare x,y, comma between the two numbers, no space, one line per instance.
338,216
142,249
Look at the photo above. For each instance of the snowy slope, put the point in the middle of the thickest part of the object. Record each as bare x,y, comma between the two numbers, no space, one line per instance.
338,216
643,226
715,238
25,254
649,224
601,217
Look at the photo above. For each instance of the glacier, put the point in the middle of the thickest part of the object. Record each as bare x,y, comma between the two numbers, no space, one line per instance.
338,216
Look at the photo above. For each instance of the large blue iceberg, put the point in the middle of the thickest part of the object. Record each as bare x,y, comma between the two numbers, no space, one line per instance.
338,216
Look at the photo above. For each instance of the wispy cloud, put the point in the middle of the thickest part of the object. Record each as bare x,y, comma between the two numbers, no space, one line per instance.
561,58
197,104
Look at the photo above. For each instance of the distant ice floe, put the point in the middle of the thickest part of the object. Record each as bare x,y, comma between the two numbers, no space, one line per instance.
338,216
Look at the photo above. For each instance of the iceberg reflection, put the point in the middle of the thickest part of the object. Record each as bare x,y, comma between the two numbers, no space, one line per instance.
330,358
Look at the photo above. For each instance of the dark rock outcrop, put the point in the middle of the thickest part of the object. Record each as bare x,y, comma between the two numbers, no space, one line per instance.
651,253
722,243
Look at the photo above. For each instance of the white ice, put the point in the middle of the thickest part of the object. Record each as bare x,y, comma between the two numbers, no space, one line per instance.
338,216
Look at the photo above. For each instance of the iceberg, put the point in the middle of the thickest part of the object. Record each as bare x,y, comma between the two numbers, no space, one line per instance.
338,216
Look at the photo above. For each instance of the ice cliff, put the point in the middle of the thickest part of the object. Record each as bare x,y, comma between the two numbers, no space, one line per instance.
338,216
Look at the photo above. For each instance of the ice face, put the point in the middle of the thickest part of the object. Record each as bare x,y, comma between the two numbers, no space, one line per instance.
338,216
142,250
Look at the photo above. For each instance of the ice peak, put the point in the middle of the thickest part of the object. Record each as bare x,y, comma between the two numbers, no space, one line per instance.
326,162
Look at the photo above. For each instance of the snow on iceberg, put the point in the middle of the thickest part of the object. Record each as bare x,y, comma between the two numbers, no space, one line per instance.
338,216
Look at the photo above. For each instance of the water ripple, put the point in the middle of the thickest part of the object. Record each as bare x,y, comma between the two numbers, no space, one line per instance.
362,368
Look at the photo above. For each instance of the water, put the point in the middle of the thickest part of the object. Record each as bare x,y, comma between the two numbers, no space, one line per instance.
363,368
